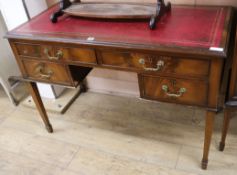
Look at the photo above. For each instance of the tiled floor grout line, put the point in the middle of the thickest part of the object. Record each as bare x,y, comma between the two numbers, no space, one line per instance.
29,158
99,150
179,153
42,136
73,157
117,155
48,163
2,119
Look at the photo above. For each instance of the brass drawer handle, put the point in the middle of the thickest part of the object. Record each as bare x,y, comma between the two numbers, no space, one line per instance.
181,91
59,54
159,64
42,73
25,51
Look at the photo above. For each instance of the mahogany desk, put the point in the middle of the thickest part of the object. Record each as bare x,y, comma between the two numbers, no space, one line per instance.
182,61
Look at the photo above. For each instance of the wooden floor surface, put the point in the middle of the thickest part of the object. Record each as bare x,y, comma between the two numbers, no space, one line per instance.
108,135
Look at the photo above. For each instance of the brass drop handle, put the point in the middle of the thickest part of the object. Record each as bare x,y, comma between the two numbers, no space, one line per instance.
181,91
25,51
159,64
59,54
42,73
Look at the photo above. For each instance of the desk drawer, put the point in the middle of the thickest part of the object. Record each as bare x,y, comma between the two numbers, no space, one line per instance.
47,72
155,63
56,53
29,50
81,55
183,91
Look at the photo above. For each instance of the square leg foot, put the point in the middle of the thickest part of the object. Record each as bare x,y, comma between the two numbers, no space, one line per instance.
49,128
221,146
204,164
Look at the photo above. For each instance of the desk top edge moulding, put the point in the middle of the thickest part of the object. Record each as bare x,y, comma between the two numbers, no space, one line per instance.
113,11
191,30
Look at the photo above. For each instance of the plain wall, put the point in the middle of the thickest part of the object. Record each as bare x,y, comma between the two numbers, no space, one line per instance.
126,83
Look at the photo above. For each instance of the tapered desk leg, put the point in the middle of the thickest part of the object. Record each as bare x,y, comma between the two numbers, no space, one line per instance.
208,135
225,129
39,104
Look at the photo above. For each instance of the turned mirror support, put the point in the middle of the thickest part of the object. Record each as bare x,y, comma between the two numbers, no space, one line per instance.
160,11
63,5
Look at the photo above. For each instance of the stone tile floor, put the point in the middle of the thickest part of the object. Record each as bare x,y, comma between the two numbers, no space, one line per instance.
107,135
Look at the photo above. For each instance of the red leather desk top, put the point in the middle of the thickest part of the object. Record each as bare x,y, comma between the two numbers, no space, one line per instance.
185,26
